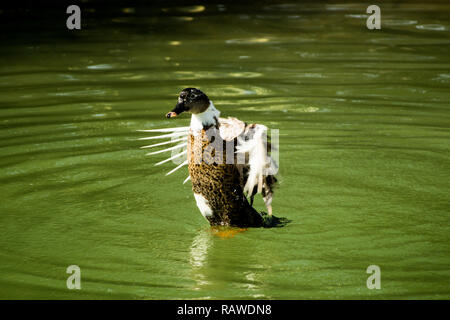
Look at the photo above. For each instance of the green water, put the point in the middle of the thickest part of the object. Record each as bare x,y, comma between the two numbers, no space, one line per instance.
364,120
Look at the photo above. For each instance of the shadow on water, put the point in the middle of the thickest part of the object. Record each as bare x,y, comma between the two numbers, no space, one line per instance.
273,221
269,222
230,232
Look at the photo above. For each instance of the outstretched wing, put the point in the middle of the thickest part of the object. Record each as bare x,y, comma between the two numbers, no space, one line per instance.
261,167
177,136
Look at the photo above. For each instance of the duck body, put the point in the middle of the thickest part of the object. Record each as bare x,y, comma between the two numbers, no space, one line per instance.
218,186
228,162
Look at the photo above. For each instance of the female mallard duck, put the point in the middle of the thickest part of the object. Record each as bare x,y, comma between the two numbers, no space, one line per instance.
227,159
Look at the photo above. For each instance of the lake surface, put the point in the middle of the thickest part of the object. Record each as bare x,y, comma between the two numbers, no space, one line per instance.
364,120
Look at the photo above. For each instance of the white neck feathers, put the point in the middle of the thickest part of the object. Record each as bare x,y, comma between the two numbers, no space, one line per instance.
204,119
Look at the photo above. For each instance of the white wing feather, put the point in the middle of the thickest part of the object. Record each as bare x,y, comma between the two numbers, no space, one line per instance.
179,151
261,164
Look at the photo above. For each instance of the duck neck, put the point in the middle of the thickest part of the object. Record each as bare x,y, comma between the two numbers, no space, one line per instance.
205,119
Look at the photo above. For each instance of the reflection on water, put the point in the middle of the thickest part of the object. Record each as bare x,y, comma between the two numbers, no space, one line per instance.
207,250
199,248
364,147
198,257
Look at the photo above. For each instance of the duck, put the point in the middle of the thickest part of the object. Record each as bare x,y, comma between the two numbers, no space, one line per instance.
228,162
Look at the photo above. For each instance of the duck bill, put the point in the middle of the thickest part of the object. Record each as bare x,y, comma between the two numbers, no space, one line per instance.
179,108
171,114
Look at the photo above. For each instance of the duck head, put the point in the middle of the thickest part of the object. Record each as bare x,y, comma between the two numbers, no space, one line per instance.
191,100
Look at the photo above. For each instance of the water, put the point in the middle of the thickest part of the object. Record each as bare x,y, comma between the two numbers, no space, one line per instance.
364,150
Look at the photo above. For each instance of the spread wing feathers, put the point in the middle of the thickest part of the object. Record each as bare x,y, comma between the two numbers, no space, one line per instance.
176,135
261,166
187,179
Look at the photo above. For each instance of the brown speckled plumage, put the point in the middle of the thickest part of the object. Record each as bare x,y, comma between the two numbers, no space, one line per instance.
221,184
